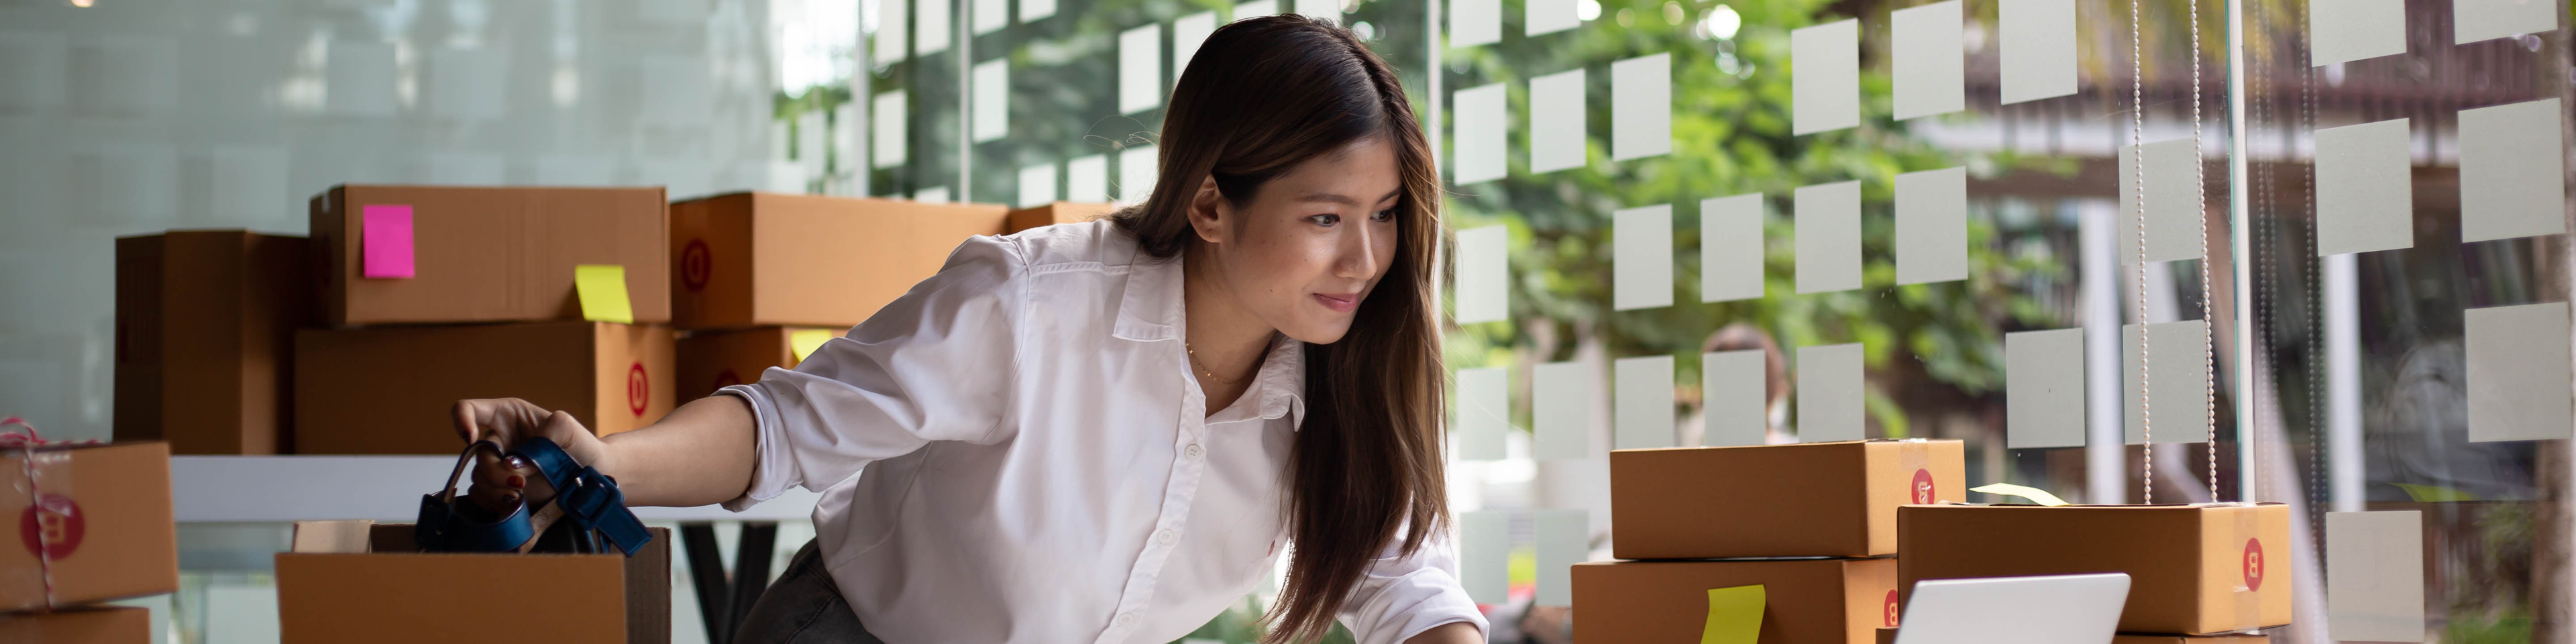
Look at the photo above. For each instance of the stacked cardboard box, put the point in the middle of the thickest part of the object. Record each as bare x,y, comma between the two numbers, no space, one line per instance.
1061,212
1812,524
331,584
2201,569
205,320
96,525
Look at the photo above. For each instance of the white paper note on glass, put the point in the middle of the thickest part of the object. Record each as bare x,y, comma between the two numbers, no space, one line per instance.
2513,179
468,84
1828,237
1641,268
1730,248
2177,377
886,135
360,78
1483,274
1325,9
1484,413
892,16
2475,20
1929,58
1485,555
1548,16
1641,107
2173,202
1477,141
1256,9
2518,374
1034,10
2035,40
1734,398
1136,173
1932,226
1824,77
1643,407
2349,30
991,15
2375,576
1564,539
1560,410
1140,69
992,99
1556,122
2044,388
1188,32
2365,192
1831,394
1086,179
930,27
1475,22
933,194
1037,185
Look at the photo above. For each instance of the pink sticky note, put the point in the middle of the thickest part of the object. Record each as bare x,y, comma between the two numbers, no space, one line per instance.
384,239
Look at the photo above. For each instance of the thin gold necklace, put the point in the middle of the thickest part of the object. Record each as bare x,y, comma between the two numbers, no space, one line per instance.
1202,367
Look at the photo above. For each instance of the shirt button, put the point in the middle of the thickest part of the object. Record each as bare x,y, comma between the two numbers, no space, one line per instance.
1163,537
1126,618
1192,450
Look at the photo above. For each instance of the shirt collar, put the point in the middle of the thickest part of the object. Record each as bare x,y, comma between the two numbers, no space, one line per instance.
1152,310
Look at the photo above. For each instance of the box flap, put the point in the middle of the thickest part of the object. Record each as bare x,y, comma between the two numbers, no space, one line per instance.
325,537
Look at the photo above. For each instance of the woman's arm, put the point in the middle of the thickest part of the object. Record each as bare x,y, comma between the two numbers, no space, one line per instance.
1450,633
701,453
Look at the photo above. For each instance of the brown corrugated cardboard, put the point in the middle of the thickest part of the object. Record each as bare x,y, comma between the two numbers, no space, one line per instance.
89,625
1888,636
492,254
2193,569
205,328
328,590
104,524
1061,212
755,259
1812,499
1807,601
388,390
712,360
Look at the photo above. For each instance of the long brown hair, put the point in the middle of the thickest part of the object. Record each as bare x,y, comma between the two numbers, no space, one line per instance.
1261,96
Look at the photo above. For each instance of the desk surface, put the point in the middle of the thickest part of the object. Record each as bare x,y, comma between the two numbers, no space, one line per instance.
282,489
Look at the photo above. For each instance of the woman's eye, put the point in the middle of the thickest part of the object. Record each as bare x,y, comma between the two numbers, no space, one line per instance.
1383,215
1326,221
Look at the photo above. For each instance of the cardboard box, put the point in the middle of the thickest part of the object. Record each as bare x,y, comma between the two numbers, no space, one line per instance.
491,254
1888,636
389,390
2193,569
1061,212
1811,499
89,625
714,360
758,259
346,578
1807,601
104,523
205,329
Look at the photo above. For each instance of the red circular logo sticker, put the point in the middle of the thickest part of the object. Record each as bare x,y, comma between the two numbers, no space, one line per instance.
2253,564
726,378
1891,609
639,390
1922,492
52,526
694,265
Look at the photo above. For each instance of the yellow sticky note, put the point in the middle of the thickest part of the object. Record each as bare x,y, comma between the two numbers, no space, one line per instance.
1734,615
602,288
2035,495
805,341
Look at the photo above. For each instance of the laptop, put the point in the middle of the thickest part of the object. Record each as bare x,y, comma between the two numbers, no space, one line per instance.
2067,609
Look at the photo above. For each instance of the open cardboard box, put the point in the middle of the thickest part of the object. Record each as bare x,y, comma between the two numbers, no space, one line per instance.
105,523
1801,500
1807,601
349,580
2193,569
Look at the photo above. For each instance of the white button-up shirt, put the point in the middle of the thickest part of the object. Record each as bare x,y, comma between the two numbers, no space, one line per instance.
1039,463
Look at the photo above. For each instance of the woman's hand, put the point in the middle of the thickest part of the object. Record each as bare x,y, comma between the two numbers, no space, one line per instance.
498,484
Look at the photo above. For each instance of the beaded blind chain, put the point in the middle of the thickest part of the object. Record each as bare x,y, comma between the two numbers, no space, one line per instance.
2200,193
2138,170
2200,210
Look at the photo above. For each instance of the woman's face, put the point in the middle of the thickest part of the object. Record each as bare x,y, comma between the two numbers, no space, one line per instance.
1311,244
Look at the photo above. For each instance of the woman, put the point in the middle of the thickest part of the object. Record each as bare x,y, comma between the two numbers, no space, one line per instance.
1109,431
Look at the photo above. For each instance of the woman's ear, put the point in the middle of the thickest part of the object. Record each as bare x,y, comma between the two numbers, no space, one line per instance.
1209,211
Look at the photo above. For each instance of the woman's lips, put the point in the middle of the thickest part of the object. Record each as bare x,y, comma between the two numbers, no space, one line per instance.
1342,302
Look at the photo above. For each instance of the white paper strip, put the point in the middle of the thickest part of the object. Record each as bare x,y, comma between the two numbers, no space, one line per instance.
2349,30
1034,10
1932,226
1824,77
893,22
1641,268
1086,179
1556,122
933,194
1140,69
1641,107
2173,208
1560,410
2513,179
2044,389
887,134
1564,538
1831,394
2375,576
992,99
1730,248
2365,192
2475,20
1483,274
1478,153
1644,405
930,27
2178,377
2518,373
2036,42
1037,185
1548,16
1734,396
1475,22
1484,413
991,15
1485,555
1256,9
1828,237
1188,32
1136,173
1929,58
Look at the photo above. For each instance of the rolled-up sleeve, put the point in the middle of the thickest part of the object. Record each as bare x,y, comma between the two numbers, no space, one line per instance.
934,365
1402,596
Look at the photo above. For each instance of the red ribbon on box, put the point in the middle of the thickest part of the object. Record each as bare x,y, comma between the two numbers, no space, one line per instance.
26,440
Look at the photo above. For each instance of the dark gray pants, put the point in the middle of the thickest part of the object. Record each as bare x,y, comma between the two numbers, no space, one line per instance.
803,607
